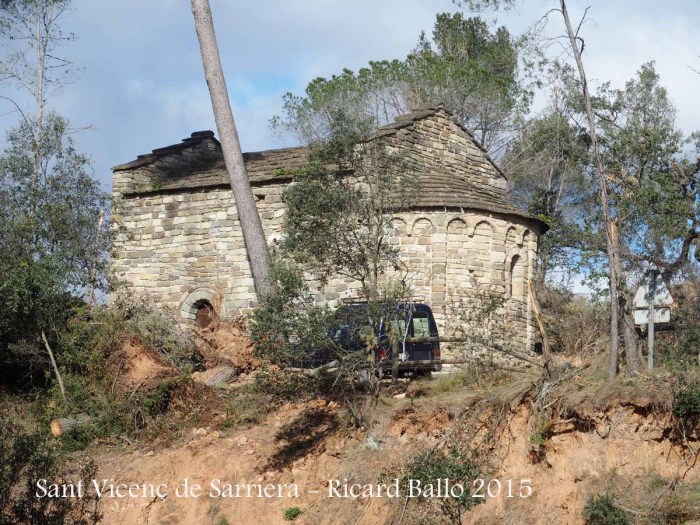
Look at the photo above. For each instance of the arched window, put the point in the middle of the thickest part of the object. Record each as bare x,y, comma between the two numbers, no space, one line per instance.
516,281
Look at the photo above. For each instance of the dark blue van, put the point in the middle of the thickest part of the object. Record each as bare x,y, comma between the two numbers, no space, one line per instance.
359,325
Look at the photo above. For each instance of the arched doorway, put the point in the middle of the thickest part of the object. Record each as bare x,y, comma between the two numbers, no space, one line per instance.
197,307
205,314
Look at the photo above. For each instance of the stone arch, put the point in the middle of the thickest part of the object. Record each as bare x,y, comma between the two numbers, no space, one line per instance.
480,224
512,237
199,298
516,280
399,226
457,225
457,257
481,249
422,226
525,236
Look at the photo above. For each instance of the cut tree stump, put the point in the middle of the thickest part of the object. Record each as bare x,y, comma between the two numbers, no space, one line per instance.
60,426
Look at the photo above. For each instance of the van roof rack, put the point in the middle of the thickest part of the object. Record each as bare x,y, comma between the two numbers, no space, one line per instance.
362,300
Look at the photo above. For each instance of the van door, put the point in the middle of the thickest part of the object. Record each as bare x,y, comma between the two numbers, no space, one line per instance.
420,327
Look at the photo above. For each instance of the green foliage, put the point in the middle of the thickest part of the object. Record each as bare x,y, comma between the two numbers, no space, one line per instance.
340,209
686,405
292,513
222,521
272,387
289,322
94,333
51,250
283,387
602,510
26,457
679,349
89,353
574,324
469,68
452,464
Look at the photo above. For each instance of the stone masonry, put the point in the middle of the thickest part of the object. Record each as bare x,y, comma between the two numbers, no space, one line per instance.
180,242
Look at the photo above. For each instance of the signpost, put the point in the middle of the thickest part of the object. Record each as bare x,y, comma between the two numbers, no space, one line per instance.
651,303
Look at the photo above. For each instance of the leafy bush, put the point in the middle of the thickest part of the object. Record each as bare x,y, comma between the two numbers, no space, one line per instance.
288,324
92,334
26,457
292,513
574,324
89,351
454,465
679,350
602,510
280,386
686,405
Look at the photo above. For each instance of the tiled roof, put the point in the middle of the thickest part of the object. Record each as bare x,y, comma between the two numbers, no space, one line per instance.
197,162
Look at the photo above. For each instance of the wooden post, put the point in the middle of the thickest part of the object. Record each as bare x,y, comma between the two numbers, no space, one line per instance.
395,362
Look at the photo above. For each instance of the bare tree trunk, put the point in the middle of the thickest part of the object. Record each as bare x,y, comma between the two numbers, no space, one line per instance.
251,225
537,309
632,360
612,246
54,366
634,363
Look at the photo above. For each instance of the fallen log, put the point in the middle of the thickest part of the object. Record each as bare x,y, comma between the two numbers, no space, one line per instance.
216,376
60,426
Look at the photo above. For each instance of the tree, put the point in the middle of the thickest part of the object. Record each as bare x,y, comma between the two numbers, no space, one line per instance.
340,209
653,188
52,243
339,223
546,168
575,50
468,68
251,225
613,249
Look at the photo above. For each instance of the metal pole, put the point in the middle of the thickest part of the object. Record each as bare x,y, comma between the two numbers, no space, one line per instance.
395,345
650,328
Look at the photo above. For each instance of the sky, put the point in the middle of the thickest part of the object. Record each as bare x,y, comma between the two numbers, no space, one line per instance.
142,86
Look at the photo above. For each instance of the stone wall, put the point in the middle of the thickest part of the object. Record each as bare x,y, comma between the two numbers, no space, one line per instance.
184,247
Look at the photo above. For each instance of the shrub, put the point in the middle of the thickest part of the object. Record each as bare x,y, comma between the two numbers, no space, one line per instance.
678,349
26,457
281,386
292,513
602,510
686,405
454,465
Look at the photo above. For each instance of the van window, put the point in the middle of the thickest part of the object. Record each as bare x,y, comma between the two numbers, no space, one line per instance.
421,325
399,325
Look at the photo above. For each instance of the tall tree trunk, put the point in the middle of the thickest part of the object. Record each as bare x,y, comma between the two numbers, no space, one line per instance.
251,225
612,247
632,360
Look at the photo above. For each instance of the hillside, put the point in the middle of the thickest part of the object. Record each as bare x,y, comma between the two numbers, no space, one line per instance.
575,439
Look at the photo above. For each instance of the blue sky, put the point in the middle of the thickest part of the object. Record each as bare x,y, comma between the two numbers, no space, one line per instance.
142,83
